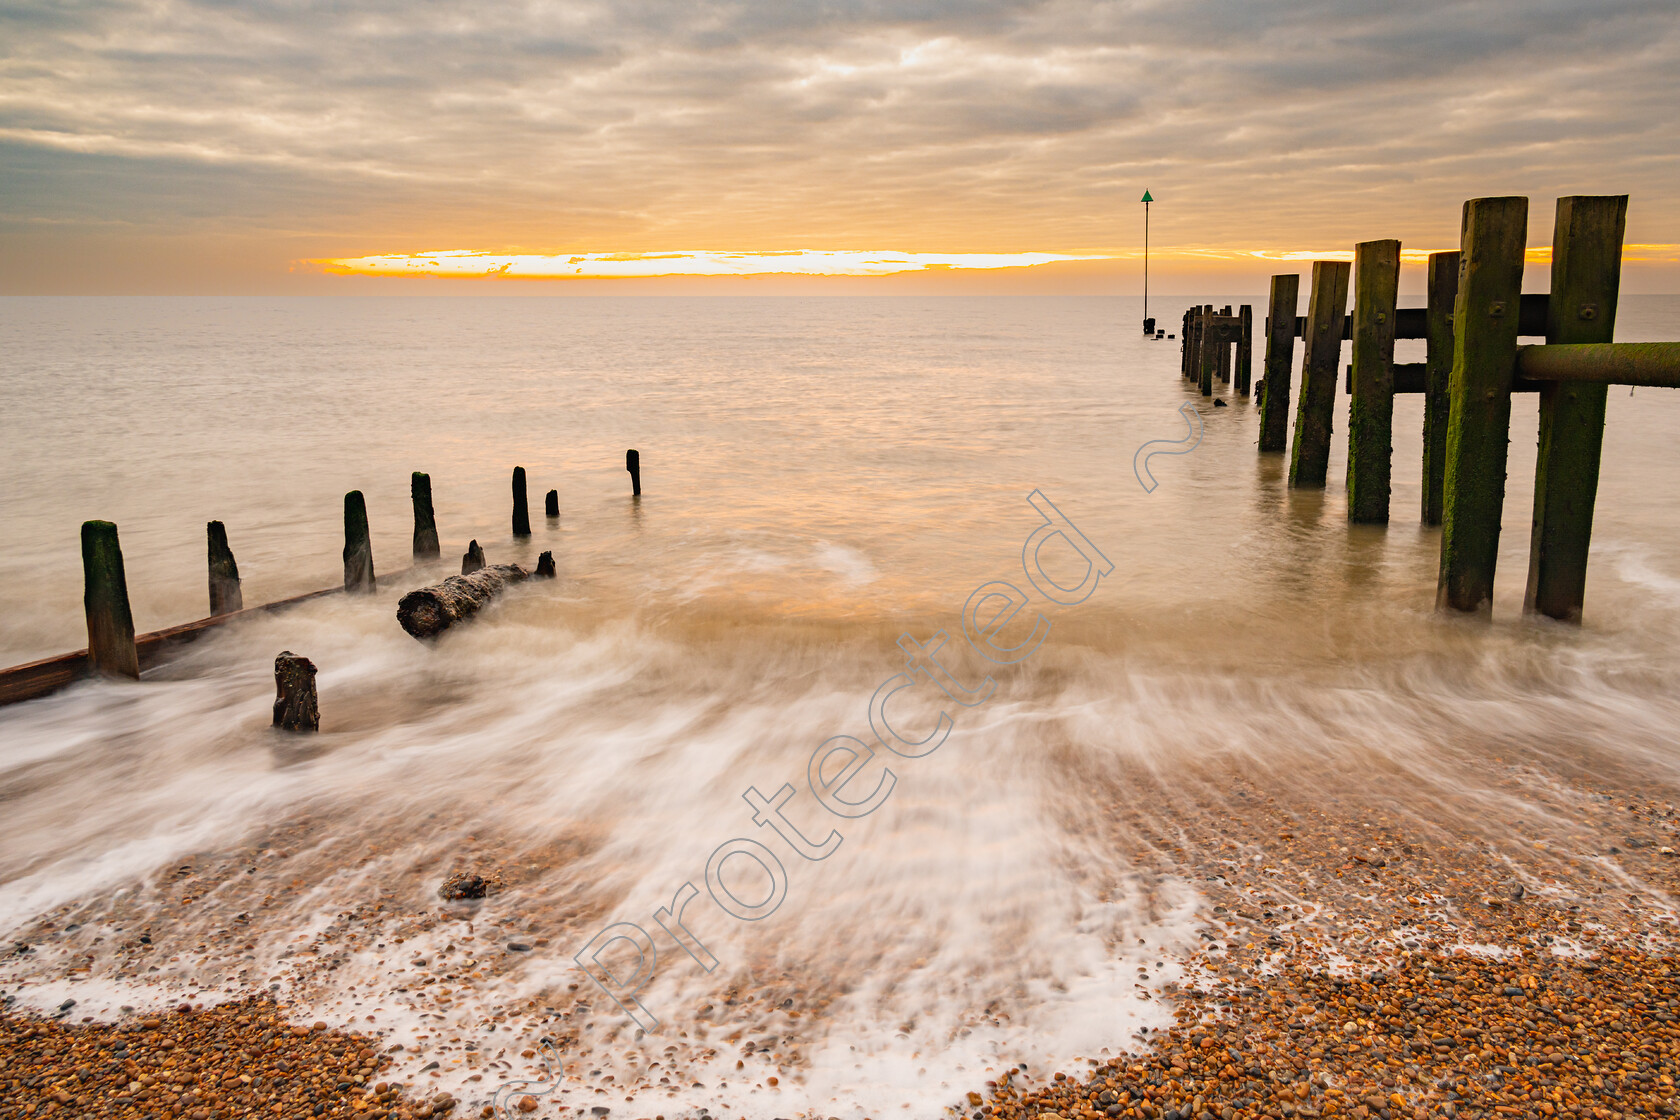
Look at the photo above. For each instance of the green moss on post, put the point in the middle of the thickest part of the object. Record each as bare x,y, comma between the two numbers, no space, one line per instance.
1280,357
110,624
358,549
1586,279
521,511
1479,424
1437,400
1376,266
225,596
425,523
1309,460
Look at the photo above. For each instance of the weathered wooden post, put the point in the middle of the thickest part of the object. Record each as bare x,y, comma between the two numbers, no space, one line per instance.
545,566
1371,412
1184,344
1309,460
425,524
1225,348
551,504
110,624
1280,357
1208,363
1478,428
1245,349
521,512
1586,280
358,549
295,705
633,464
472,560
1437,400
225,596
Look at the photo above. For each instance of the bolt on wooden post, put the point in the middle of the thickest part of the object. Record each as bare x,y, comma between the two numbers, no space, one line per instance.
1586,280
1309,459
1479,423
225,596
1280,356
1437,400
521,511
1376,266
358,549
110,624
425,523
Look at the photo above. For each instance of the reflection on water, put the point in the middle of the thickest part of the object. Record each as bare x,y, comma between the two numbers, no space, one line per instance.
820,477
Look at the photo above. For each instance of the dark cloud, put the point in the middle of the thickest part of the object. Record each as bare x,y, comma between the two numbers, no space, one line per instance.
990,125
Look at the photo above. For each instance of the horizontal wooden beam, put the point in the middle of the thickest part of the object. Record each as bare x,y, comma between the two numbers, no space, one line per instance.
1605,363
39,678
1412,322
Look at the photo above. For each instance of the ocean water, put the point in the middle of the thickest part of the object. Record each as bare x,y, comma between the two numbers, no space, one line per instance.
824,481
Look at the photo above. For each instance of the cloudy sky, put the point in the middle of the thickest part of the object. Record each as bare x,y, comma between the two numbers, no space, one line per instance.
205,146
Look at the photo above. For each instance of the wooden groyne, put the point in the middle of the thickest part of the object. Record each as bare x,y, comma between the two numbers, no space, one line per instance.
1475,315
115,650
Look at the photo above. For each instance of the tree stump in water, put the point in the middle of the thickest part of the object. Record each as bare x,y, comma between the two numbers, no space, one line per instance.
545,566
472,560
295,704
225,596
430,611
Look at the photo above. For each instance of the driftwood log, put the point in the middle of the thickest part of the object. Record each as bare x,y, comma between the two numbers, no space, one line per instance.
430,611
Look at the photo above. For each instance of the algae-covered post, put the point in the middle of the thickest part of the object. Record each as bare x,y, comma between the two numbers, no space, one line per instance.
521,511
295,705
358,549
1309,461
1371,412
1478,428
1280,357
633,464
551,504
225,596
473,560
1437,400
110,624
1586,279
1245,348
425,524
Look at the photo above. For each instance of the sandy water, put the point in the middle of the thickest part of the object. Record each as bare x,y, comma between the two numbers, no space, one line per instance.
821,476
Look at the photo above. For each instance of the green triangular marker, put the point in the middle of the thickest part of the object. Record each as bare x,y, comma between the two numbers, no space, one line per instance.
1146,197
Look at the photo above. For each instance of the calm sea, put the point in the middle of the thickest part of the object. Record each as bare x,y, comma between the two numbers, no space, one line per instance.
820,476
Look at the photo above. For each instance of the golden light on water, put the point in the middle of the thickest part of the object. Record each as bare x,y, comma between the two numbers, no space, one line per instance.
467,263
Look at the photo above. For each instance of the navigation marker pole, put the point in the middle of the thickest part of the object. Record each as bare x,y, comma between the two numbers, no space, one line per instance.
1148,323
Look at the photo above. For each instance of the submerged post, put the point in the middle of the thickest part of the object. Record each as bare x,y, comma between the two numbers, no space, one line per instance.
425,524
225,596
1479,424
110,624
1280,356
473,559
295,705
1309,460
1371,412
551,504
521,511
633,464
545,566
358,549
1437,401
1586,279
1245,349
